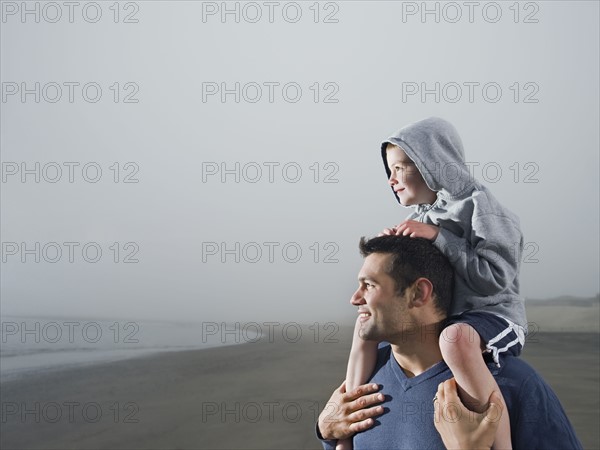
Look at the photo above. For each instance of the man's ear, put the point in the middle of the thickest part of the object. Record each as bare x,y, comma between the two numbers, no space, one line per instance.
421,292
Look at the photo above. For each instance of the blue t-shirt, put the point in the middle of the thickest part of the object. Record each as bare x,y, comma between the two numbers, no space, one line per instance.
537,419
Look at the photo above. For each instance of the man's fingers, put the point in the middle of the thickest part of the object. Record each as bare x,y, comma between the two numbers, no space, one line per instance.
494,411
364,414
367,400
496,399
440,392
450,393
362,425
363,419
437,403
362,390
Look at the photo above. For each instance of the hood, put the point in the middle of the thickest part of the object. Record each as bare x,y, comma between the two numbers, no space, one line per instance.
435,147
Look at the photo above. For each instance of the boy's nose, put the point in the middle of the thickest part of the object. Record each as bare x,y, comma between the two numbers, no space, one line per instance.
392,180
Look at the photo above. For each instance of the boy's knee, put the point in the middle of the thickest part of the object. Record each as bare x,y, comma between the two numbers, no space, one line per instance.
459,338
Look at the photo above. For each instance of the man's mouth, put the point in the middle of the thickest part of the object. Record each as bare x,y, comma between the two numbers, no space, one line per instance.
363,315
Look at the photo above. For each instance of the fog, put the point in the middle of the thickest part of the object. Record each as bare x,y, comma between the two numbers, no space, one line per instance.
177,163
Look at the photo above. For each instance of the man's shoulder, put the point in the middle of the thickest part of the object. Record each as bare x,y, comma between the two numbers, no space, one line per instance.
523,381
514,366
514,374
537,417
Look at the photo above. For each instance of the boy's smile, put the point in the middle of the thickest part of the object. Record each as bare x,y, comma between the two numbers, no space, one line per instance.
406,180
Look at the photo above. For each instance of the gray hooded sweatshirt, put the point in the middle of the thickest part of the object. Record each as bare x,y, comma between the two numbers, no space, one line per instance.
481,238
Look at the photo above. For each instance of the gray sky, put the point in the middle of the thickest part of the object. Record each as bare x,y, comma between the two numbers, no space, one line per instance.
314,102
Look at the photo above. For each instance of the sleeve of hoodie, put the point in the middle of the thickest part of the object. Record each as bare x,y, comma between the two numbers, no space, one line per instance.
488,255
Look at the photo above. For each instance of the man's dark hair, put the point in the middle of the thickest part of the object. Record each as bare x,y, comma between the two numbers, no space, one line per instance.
413,258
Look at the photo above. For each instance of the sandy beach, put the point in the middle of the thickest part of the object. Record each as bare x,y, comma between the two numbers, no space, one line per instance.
263,395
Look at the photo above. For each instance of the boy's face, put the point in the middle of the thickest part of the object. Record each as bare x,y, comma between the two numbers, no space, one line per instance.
406,180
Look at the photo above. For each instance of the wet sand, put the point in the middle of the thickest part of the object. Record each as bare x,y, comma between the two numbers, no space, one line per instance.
263,395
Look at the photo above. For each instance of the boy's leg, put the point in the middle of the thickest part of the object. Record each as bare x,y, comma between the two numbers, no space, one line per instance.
461,348
363,356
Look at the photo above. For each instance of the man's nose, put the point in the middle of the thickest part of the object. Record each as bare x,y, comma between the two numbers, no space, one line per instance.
357,298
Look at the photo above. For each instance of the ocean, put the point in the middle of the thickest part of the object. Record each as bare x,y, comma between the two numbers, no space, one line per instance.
36,344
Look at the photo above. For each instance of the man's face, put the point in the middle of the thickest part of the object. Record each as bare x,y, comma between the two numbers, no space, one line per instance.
383,314
406,180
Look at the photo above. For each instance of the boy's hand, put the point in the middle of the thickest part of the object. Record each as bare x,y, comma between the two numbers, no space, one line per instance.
388,232
413,229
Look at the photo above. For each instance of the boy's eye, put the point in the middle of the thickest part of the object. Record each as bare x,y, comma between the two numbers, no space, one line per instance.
403,166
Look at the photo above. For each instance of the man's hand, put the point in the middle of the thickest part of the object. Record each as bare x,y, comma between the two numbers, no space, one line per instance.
461,428
348,413
413,229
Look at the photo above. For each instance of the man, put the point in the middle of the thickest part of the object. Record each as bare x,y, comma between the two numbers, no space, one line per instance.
403,299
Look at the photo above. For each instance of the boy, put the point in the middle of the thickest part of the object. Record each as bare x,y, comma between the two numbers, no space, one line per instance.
425,166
